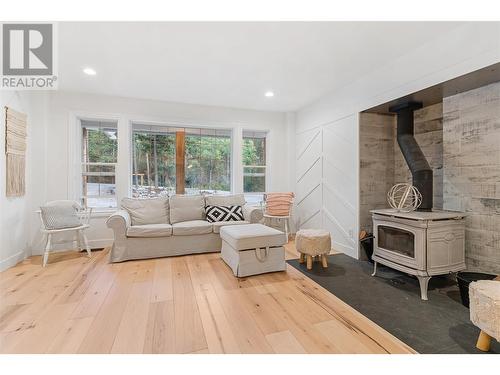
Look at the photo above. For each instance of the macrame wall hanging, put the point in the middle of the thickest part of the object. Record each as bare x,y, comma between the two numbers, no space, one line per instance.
15,152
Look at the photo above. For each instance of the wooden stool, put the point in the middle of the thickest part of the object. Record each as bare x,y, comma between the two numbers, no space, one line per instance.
484,298
313,243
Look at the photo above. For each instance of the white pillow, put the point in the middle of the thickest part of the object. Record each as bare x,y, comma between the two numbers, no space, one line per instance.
147,211
60,217
186,208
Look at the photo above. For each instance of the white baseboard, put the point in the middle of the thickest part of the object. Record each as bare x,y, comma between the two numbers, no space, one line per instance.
68,245
12,260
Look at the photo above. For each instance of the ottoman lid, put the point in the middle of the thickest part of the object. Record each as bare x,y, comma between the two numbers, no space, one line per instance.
251,236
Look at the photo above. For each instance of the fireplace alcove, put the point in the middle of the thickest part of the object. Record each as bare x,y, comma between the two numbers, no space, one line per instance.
437,128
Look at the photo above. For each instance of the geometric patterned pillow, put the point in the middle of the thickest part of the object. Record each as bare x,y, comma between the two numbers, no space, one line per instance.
224,213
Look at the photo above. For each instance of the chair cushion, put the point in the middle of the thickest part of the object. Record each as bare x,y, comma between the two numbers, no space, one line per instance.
220,224
150,230
147,211
186,208
192,227
60,217
251,236
225,200
224,213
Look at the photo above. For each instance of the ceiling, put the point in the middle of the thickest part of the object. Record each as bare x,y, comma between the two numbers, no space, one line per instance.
231,64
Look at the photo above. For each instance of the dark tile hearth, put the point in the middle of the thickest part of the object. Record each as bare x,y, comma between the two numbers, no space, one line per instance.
392,300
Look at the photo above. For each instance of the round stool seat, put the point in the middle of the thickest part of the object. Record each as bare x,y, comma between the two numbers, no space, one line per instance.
484,298
311,243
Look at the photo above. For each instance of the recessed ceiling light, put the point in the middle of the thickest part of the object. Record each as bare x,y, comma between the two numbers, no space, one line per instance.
89,71
269,94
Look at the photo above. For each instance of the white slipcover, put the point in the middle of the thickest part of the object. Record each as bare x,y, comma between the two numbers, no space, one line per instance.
150,230
219,224
147,211
192,227
186,208
253,249
251,236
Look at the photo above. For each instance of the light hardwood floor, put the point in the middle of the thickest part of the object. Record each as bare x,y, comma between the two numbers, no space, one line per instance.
187,304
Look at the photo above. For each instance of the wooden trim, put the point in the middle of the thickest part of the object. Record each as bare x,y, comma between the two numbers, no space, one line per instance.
180,146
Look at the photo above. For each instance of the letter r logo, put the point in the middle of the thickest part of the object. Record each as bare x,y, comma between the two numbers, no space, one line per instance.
27,49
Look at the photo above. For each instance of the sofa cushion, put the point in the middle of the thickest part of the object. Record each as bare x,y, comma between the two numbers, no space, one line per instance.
225,200
251,236
192,227
220,224
147,211
150,230
186,208
223,213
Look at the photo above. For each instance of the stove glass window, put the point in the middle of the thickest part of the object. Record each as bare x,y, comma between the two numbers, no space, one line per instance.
397,240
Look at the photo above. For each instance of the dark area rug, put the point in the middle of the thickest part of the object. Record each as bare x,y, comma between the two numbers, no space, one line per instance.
392,300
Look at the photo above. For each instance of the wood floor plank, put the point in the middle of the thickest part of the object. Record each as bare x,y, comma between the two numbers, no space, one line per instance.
132,330
220,337
189,334
284,342
160,329
162,284
102,332
97,291
71,336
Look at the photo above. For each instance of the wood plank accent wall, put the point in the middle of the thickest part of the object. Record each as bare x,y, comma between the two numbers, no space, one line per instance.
471,158
15,150
376,154
180,147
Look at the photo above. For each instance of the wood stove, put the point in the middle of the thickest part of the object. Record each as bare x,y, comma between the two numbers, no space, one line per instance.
420,243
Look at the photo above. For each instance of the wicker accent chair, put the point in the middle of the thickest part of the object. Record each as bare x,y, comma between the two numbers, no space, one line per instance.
279,206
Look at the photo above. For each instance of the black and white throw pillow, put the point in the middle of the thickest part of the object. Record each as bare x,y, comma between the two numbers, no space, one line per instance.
224,213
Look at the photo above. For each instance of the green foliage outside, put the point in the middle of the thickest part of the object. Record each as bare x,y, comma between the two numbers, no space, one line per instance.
208,160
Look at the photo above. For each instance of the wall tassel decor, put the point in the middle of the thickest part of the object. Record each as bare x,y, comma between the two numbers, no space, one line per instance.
15,151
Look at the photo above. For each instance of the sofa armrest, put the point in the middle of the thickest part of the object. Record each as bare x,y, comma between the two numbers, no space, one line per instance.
252,214
119,222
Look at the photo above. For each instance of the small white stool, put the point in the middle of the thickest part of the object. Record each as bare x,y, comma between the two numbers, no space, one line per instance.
311,243
484,296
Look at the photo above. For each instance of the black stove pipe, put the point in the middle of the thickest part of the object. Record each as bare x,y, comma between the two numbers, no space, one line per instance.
420,170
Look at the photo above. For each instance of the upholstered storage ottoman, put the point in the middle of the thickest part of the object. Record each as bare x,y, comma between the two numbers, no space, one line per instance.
253,249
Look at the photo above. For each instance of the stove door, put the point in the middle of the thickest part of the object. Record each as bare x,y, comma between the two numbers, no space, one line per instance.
400,243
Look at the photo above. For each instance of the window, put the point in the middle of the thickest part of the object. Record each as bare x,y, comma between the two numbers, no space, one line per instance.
153,161
168,160
254,162
99,157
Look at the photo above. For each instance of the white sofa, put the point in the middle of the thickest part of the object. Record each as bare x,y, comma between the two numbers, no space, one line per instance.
160,227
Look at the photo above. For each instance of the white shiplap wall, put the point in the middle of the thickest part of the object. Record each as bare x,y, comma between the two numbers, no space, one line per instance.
325,156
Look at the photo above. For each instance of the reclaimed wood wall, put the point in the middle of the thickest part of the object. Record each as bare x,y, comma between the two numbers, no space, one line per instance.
471,143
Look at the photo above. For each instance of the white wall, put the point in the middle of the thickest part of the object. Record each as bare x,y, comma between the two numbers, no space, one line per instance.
17,217
61,179
327,140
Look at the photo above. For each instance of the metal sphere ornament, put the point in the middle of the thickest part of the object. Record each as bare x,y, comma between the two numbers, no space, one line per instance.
404,197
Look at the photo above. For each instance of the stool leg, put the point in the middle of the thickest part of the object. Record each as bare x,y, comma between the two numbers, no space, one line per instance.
324,261
483,341
309,262
302,258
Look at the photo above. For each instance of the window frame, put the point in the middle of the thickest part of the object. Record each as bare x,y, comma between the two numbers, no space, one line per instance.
265,166
83,199
134,124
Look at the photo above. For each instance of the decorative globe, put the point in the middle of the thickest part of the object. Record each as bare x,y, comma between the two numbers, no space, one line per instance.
404,197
